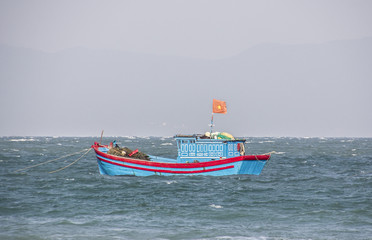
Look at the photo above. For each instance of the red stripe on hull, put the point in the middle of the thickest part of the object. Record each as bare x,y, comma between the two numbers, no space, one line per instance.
183,165
166,171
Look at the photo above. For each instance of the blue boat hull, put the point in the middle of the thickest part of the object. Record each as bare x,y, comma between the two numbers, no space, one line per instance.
114,165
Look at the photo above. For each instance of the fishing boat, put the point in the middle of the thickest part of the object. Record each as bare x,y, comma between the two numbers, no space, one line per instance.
212,153
196,156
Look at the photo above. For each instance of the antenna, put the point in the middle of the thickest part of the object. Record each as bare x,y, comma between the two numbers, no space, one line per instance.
211,124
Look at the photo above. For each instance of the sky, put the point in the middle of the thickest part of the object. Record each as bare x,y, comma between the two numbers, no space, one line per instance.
207,31
202,29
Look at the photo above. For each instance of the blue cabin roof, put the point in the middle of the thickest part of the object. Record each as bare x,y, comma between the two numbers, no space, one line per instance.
202,149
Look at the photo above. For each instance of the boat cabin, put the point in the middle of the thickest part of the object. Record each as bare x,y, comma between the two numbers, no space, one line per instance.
192,148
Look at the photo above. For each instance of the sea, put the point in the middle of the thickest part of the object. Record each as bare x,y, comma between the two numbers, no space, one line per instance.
312,188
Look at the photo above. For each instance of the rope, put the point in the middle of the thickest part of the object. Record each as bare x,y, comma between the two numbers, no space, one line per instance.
71,163
53,160
269,153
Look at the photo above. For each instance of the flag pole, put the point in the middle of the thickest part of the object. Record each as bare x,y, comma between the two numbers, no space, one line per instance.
211,124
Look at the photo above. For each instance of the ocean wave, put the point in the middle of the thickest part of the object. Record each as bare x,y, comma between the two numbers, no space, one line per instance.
279,153
144,137
268,141
246,238
215,206
167,144
22,140
129,137
78,222
307,182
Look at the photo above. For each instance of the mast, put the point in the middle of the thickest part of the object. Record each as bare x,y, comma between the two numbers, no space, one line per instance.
211,125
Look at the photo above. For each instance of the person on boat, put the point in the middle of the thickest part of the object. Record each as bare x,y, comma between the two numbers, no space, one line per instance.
112,144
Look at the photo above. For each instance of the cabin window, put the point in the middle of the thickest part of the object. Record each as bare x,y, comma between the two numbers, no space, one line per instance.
192,147
200,147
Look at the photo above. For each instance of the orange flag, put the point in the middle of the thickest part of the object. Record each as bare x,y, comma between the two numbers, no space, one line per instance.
219,106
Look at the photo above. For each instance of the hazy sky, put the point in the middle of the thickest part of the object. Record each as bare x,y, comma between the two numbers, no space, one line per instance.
203,28
84,43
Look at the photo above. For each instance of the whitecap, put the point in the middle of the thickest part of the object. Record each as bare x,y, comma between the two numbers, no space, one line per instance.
170,182
22,140
130,137
167,144
215,206
279,153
